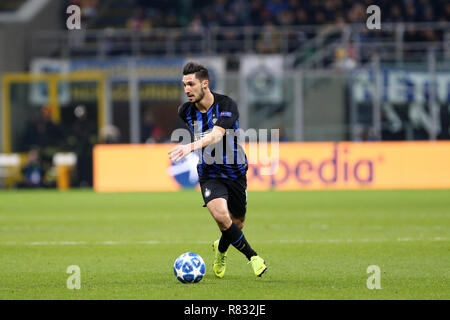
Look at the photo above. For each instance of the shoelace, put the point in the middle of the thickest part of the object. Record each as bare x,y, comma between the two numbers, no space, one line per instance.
222,259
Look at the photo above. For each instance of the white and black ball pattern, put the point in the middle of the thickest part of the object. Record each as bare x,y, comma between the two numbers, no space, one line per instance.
189,268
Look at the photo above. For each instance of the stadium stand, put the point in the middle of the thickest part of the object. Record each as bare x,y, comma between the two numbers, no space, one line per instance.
236,26
258,12
317,35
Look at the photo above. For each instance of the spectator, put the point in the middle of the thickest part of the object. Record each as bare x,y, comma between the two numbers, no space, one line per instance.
275,7
210,18
285,18
255,10
171,21
109,134
270,41
320,18
33,173
357,14
81,140
411,14
301,17
428,14
220,7
89,9
42,132
364,133
395,14
148,126
344,60
195,34
150,132
447,12
157,136
294,5
139,21
240,9
330,9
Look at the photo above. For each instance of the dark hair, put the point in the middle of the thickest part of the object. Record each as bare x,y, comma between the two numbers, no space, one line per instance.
200,71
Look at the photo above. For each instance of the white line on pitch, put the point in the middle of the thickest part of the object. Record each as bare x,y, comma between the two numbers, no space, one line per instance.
173,242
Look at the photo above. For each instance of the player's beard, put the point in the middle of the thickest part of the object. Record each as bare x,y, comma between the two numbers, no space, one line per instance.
200,97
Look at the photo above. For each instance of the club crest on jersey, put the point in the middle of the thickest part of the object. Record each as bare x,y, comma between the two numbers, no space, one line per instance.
214,120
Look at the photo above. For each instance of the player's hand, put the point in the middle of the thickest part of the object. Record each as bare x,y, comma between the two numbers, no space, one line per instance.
179,152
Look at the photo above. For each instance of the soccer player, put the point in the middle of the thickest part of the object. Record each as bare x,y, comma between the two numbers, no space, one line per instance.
213,120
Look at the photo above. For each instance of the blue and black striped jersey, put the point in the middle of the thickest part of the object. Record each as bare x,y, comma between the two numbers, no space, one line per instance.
227,158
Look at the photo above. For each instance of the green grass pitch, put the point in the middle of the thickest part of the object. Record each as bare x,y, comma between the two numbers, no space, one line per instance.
317,245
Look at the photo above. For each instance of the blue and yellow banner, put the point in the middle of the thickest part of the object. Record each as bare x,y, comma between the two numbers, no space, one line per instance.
298,166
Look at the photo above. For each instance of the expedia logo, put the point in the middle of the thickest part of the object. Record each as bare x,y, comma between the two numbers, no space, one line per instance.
339,168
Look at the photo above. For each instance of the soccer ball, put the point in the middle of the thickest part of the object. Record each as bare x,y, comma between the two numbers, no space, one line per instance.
189,268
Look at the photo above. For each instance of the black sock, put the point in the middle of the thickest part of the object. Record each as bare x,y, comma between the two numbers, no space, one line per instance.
234,235
223,243
228,236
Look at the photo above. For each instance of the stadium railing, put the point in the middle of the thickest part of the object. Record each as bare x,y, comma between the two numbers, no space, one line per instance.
306,46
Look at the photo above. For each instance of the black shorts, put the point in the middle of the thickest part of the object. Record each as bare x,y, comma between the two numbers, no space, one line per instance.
234,191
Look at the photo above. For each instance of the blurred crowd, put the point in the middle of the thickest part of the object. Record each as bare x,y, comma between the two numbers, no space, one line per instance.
223,13
284,12
201,15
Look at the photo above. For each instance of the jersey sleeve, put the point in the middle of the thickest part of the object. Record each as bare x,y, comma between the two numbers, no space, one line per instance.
228,114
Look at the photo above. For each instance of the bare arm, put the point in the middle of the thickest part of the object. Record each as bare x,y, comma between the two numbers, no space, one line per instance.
180,151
